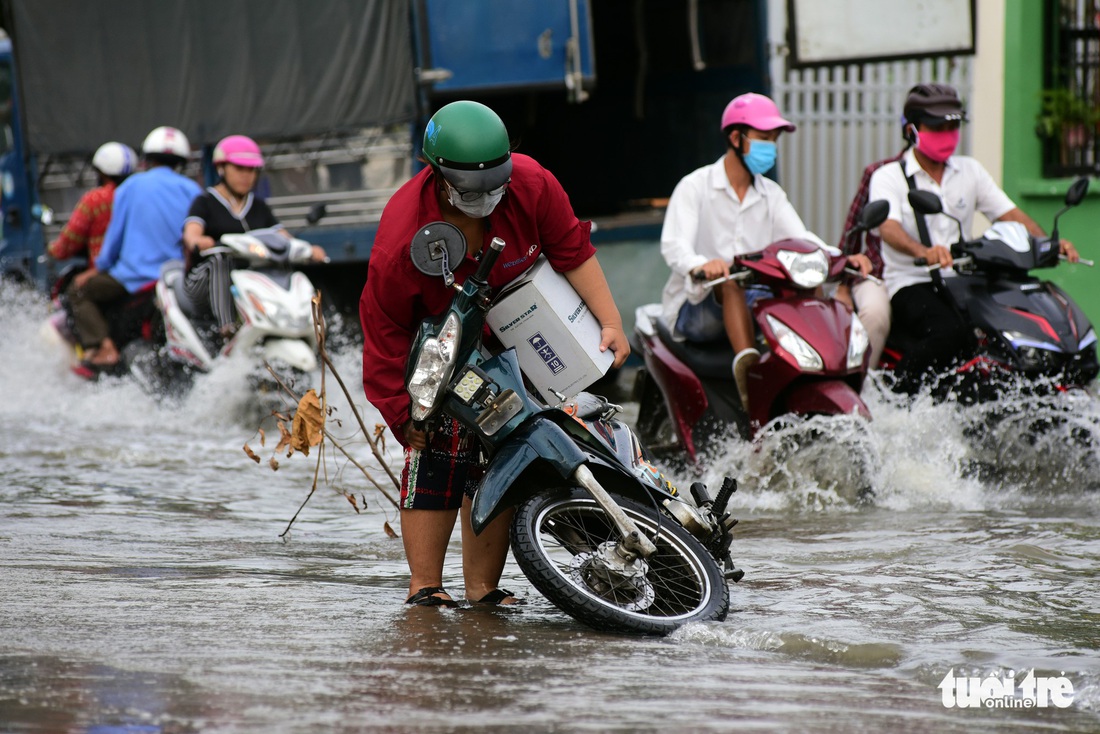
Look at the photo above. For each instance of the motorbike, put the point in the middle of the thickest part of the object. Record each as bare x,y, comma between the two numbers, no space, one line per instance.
1028,333
273,300
134,326
815,352
598,530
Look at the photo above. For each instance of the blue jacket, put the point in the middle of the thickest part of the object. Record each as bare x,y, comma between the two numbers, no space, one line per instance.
146,226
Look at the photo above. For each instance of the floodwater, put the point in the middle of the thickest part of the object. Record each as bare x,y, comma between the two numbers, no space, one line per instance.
144,586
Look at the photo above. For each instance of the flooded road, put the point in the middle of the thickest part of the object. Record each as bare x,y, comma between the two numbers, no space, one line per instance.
144,586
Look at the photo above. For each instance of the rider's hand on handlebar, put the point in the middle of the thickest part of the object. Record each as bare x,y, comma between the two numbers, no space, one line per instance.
717,268
861,262
939,255
614,338
317,254
415,439
1066,248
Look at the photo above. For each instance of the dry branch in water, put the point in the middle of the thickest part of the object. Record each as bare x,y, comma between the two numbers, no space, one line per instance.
308,429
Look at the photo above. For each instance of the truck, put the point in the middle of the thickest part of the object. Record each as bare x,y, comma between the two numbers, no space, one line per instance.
337,93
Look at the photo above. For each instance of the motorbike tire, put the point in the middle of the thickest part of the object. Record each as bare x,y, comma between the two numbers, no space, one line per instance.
554,535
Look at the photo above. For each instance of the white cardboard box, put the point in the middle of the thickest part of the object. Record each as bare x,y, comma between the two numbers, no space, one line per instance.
554,334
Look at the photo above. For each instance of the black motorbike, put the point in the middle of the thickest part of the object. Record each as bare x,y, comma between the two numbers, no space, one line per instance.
597,529
1028,333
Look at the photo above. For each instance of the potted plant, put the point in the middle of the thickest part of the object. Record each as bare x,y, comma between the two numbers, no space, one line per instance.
1066,118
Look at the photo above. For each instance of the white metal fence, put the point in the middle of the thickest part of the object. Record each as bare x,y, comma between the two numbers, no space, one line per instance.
848,117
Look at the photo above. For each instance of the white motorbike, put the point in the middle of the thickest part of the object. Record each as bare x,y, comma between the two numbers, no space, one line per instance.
273,300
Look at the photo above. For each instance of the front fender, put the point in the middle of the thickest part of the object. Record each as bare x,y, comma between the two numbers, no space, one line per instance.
295,352
538,439
826,397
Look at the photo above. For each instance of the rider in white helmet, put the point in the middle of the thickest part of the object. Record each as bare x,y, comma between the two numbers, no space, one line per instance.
144,233
83,233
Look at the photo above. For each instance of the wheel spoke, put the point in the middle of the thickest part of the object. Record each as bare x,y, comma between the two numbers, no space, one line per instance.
571,535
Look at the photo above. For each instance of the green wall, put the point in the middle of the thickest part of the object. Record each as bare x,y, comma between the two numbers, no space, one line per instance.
1040,197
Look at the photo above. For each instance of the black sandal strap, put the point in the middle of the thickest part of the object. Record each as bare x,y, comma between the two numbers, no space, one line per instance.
426,598
496,596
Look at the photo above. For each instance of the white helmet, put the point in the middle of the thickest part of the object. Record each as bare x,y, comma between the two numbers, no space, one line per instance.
115,159
166,140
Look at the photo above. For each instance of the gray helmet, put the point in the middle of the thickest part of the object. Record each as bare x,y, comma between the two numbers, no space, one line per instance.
468,144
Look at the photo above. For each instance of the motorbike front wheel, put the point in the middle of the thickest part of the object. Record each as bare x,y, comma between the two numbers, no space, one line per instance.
564,543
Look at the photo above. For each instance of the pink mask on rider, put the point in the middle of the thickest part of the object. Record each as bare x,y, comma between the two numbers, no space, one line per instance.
938,145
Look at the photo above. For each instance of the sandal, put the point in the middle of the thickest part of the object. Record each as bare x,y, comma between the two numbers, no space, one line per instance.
426,598
496,596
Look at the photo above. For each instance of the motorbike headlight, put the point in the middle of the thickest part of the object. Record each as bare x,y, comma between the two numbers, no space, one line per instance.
807,269
434,365
806,356
857,344
1088,339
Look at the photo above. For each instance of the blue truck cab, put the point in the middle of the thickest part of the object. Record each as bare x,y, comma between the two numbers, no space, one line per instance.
22,240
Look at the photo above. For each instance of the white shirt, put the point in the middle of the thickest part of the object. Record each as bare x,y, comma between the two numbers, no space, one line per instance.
967,187
705,221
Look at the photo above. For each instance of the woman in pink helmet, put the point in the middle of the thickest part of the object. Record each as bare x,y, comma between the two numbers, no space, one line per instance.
722,210
228,207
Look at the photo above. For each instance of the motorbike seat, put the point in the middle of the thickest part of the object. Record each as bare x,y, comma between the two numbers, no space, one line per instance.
172,274
712,360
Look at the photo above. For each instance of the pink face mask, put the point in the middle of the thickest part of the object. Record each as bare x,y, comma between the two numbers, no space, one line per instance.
938,145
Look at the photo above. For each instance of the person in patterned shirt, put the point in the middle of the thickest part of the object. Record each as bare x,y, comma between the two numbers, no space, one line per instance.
82,235
869,298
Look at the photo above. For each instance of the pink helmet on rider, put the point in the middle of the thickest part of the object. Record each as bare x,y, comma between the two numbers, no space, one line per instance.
755,111
240,151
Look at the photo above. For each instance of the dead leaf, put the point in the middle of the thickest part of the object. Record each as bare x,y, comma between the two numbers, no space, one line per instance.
263,437
351,498
380,436
309,423
389,530
251,454
284,437
274,464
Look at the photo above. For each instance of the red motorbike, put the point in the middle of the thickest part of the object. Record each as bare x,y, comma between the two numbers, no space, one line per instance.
814,362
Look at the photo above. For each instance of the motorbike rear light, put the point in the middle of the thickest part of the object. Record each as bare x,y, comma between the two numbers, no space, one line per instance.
805,356
858,342
807,269
434,365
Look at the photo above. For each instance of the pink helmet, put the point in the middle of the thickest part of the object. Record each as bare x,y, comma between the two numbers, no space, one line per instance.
755,111
240,151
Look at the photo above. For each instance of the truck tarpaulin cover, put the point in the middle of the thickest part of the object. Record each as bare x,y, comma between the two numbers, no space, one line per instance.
93,71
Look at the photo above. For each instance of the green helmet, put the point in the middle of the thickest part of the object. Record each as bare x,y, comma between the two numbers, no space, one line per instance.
468,143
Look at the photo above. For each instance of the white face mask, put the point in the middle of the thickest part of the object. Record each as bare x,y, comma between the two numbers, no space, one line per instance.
482,204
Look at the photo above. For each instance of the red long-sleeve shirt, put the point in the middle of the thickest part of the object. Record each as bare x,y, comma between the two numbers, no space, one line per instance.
533,217
85,229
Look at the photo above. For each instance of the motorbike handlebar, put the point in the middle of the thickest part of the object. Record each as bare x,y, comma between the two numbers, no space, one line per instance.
855,273
964,261
1081,261
700,276
489,257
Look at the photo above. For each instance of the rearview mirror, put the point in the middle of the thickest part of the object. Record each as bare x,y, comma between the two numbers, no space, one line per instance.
316,213
1077,191
925,202
437,249
873,214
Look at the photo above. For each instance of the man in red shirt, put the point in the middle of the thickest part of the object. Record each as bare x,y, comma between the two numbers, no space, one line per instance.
83,233
476,183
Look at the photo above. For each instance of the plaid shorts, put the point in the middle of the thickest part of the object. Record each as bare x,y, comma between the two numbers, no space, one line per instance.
437,477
